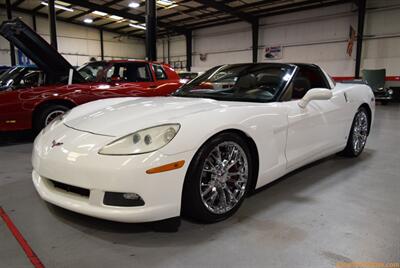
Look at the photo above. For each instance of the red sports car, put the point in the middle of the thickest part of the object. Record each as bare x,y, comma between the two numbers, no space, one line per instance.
32,99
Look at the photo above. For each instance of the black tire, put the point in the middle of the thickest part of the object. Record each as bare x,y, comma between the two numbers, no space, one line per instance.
350,150
42,116
192,204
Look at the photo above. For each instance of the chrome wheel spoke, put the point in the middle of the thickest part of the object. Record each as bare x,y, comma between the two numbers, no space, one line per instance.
224,177
360,132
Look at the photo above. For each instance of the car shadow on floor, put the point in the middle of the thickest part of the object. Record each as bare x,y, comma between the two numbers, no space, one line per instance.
16,137
321,174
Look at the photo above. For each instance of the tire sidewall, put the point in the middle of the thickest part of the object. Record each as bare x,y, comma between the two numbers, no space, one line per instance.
40,120
192,204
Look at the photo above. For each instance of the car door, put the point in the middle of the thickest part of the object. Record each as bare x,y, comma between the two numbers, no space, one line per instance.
166,81
13,115
318,129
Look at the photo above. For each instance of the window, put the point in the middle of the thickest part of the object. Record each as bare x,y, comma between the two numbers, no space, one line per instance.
160,73
306,78
261,82
129,72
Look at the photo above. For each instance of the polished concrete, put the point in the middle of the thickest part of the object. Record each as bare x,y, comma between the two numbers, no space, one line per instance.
335,210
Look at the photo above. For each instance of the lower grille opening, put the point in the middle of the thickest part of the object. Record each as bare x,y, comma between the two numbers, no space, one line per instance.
72,189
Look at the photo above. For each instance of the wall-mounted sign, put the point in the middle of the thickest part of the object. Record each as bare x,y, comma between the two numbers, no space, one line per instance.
273,53
350,41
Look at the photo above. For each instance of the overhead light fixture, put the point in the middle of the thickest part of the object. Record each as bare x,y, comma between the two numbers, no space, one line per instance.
99,13
134,5
88,20
138,26
165,2
58,6
115,17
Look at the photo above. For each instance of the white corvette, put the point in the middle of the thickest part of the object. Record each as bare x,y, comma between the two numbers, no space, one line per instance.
198,153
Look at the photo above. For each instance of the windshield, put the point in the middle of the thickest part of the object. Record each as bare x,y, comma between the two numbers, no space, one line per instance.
92,71
12,76
240,82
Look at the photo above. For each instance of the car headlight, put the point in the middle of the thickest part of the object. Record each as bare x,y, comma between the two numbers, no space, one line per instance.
143,141
390,91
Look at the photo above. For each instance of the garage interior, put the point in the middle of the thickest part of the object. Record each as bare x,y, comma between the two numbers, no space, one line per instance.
336,210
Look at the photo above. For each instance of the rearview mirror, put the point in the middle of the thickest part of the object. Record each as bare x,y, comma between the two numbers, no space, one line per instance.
315,94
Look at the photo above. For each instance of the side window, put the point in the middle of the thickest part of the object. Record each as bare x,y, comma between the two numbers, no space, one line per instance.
305,79
30,79
129,72
160,73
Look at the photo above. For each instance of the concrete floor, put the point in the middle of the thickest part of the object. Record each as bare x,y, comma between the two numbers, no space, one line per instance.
335,210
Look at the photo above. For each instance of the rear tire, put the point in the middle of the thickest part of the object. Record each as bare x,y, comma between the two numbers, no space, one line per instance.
218,179
46,115
358,133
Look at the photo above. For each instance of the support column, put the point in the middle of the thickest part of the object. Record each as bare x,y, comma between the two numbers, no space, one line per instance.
9,17
52,22
101,45
34,22
151,30
254,29
360,35
189,53
169,50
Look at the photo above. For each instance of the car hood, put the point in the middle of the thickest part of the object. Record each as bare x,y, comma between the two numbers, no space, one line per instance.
122,116
37,49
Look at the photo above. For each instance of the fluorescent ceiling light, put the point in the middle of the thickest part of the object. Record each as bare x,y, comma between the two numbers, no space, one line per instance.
58,6
134,5
88,20
138,26
115,17
99,13
165,2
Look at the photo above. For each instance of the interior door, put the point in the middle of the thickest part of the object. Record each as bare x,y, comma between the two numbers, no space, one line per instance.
316,130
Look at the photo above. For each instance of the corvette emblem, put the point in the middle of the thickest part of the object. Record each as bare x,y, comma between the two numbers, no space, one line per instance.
54,144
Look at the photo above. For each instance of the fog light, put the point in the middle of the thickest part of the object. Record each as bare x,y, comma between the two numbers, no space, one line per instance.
122,199
131,196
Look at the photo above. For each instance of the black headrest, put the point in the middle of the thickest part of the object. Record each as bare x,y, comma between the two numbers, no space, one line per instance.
248,81
268,79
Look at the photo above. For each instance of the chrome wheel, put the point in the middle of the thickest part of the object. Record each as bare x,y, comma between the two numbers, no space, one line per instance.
53,115
224,177
360,132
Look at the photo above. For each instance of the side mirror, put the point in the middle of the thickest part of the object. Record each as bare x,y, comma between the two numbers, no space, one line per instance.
315,94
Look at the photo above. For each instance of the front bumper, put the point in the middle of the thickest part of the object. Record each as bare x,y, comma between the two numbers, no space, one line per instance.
77,163
382,95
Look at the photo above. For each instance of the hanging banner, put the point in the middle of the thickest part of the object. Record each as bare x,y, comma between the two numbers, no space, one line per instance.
273,53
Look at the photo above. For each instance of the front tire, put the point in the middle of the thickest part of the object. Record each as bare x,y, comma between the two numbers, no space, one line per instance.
358,133
218,179
48,114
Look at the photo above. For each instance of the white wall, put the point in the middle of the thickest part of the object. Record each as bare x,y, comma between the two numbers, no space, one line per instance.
316,36
78,43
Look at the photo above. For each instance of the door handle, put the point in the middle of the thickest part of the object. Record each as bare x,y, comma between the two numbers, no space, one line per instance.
153,86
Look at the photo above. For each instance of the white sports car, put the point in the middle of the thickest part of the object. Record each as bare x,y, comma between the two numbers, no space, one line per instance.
198,153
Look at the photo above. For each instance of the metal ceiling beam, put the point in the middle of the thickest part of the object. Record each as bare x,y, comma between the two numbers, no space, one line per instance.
91,10
66,20
227,9
17,3
121,13
266,13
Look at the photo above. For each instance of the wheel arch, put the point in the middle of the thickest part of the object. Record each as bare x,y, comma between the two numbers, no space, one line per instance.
252,146
47,103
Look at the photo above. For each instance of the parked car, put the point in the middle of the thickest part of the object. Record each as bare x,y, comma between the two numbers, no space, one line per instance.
4,68
61,87
376,80
199,152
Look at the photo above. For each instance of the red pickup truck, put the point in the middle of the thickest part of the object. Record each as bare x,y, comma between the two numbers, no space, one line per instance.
32,98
